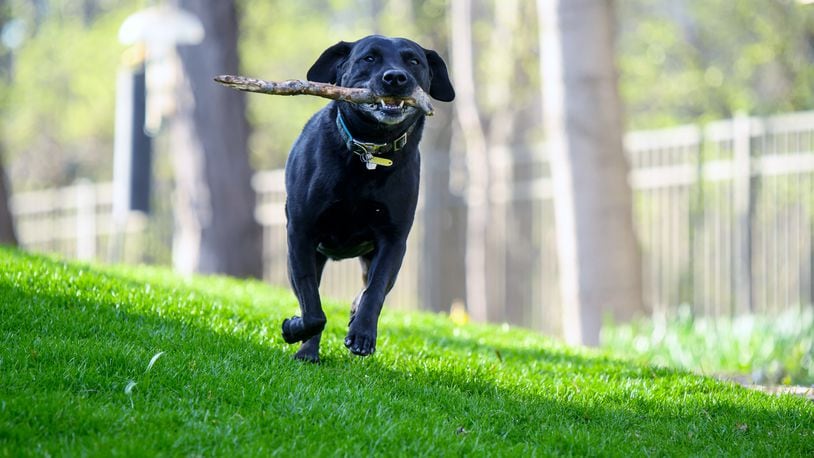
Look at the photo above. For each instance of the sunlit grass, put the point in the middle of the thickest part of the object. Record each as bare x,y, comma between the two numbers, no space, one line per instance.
138,361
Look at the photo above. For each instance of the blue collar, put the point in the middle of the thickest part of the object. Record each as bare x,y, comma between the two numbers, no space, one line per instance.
369,152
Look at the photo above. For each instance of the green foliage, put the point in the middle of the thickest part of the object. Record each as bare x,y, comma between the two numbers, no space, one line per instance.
697,60
679,62
762,349
139,361
267,50
58,113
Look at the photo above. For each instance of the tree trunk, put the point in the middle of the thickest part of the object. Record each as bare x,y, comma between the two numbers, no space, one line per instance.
500,145
216,231
477,164
7,234
600,266
441,267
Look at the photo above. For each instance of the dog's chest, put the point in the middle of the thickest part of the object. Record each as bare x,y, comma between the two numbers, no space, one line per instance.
347,229
351,216
363,200
356,207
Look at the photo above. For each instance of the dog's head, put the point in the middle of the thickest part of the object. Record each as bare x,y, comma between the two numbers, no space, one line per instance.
388,67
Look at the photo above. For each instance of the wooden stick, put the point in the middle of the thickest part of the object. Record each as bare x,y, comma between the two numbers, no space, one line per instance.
418,98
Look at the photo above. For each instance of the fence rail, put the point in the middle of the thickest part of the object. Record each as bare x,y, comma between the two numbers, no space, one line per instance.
724,214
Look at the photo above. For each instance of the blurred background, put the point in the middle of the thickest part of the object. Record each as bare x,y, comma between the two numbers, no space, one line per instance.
635,174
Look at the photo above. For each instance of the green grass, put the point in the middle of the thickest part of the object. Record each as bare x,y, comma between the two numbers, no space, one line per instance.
74,338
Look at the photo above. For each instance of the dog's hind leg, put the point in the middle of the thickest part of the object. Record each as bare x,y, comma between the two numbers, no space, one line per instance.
309,350
354,306
303,273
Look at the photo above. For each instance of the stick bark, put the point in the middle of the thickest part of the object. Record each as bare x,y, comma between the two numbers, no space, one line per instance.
418,98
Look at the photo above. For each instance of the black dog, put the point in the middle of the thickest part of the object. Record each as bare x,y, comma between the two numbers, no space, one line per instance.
352,182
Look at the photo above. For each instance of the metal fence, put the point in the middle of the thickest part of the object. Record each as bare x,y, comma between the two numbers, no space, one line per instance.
77,222
724,214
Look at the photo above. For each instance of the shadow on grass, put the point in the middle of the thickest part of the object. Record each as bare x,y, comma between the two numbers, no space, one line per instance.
230,386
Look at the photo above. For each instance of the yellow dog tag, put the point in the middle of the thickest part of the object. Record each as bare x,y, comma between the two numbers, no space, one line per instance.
380,161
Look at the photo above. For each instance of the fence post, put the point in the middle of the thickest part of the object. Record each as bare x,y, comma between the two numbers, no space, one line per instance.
85,194
743,206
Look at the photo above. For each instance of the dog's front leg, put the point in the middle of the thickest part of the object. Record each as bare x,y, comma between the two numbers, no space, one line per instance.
303,271
309,350
384,268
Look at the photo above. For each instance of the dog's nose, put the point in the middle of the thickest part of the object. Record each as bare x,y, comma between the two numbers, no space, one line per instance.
394,78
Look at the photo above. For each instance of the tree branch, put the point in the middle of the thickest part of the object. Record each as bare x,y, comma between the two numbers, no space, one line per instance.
418,98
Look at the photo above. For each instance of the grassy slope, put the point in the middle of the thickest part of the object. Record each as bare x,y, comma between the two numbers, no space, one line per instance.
72,337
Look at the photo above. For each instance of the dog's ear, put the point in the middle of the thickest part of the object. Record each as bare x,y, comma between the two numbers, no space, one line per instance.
440,86
326,68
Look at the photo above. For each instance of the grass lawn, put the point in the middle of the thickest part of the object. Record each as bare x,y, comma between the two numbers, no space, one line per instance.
79,376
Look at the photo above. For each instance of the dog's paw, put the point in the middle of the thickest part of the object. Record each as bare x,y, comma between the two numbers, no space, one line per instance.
309,351
306,357
309,356
295,329
361,342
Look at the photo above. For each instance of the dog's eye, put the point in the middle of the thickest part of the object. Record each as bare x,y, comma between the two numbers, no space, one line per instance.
414,61
369,58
